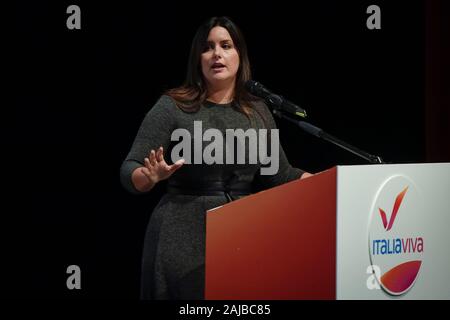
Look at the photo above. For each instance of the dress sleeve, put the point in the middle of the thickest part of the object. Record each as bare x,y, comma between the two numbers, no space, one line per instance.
155,131
286,172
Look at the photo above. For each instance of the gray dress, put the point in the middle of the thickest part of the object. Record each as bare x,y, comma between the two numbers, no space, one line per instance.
174,248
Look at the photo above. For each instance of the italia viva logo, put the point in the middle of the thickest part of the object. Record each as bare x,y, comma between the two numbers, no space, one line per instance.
395,241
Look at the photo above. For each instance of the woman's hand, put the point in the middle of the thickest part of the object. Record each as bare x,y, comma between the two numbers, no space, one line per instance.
156,168
306,175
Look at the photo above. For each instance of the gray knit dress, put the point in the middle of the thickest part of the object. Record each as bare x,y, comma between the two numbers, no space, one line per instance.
174,249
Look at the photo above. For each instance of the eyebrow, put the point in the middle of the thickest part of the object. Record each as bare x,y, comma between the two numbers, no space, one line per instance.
221,41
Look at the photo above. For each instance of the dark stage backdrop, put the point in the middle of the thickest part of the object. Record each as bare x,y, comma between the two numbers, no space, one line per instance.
80,96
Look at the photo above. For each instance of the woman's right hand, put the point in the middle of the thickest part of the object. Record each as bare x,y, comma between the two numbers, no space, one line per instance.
156,168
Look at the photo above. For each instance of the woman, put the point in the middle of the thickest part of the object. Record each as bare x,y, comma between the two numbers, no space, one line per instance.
213,93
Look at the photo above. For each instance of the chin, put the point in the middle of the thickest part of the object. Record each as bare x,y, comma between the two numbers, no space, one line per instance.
220,77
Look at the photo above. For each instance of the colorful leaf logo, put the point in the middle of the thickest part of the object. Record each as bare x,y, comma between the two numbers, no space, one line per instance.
398,202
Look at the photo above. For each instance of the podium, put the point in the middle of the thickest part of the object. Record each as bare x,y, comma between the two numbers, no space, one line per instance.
350,232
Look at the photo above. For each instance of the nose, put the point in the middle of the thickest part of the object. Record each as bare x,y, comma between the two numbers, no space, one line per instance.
217,51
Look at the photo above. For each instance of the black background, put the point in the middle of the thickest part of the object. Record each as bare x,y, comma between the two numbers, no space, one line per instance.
80,96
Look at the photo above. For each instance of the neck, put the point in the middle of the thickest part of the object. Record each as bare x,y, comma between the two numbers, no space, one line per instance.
223,94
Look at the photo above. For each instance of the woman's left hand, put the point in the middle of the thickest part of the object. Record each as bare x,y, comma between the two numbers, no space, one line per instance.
306,175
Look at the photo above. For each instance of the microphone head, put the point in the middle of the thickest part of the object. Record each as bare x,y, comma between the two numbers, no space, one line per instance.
273,100
257,89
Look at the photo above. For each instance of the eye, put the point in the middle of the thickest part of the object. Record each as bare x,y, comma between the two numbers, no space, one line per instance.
227,46
208,46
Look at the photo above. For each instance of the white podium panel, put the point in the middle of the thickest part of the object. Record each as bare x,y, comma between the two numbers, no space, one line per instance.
393,231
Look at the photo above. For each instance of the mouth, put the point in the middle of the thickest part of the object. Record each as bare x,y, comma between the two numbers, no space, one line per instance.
217,66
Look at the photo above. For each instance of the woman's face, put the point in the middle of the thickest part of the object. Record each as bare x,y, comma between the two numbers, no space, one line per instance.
220,59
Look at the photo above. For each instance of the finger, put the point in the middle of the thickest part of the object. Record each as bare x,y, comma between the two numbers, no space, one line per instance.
306,175
152,158
159,154
147,163
146,172
176,165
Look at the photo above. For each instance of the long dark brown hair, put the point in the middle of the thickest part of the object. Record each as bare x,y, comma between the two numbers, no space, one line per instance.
192,94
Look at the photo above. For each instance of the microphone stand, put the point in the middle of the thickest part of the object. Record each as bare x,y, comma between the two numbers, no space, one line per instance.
315,131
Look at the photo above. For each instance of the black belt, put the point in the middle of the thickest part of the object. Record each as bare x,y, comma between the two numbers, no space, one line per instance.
212,188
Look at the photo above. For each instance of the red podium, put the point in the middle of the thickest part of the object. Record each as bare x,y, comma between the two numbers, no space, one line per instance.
351,232
276,244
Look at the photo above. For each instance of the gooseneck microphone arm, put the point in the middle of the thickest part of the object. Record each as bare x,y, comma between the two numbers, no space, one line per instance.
289,111
315,131
275,101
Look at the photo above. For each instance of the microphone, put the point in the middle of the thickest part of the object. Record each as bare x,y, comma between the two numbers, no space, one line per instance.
279,102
